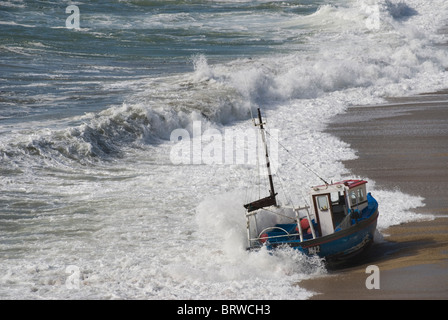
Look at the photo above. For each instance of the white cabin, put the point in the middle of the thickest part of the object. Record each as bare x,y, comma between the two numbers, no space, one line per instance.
332,203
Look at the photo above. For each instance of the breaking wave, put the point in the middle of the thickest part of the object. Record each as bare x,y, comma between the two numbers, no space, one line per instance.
364,63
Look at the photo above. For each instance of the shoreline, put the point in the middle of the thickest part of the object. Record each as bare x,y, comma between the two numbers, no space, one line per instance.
402,145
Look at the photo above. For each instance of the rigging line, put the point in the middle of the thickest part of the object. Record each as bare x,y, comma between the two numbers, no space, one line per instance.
252,116
256,178
259,150
285,192
302,163
279,214
255,182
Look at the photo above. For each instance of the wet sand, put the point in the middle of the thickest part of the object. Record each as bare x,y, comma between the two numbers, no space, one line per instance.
402,145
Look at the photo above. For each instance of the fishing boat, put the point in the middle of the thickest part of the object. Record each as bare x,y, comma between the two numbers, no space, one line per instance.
337,222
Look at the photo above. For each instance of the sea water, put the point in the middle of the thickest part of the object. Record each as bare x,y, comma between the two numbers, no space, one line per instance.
93,205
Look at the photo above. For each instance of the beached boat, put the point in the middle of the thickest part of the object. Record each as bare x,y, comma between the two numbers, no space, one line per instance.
338,223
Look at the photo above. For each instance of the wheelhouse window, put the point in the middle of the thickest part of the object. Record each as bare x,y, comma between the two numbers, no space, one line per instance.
322,203
353,197
357,196
360,195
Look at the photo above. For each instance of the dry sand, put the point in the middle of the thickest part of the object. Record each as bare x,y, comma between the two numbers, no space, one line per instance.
401,145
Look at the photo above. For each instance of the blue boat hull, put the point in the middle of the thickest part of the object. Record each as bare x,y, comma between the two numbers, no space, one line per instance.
343,244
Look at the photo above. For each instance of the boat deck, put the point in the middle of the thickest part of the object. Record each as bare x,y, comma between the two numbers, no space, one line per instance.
287,233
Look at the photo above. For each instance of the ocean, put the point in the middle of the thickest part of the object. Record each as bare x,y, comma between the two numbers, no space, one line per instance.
113,181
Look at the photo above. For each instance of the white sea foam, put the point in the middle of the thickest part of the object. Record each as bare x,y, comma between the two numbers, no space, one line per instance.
102,194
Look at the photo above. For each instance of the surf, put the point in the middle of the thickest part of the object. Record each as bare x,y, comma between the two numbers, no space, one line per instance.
87,178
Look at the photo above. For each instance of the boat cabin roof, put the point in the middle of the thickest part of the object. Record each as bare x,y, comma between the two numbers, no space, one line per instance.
354,183
338,186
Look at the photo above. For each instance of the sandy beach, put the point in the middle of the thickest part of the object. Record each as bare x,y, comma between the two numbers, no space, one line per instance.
402,145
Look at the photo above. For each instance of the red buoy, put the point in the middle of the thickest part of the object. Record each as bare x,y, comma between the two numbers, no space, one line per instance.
263,237
304,224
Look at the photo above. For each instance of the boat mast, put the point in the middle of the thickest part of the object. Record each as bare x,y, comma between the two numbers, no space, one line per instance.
270,200
268,163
